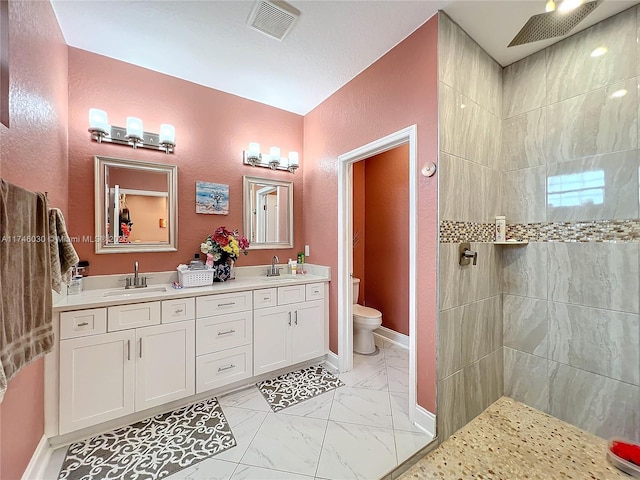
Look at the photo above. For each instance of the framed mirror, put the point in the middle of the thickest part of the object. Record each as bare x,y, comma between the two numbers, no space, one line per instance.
268,212
136,206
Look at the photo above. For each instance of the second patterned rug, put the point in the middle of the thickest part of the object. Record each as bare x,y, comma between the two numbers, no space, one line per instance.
292,388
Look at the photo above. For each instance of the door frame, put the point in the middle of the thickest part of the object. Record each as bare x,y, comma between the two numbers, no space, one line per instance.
408,136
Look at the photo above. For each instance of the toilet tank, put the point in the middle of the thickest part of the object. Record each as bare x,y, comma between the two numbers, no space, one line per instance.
356,289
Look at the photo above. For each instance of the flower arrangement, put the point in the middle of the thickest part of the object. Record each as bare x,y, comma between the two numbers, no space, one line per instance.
224,245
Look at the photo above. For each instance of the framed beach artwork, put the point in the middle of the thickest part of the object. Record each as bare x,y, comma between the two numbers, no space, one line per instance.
212,198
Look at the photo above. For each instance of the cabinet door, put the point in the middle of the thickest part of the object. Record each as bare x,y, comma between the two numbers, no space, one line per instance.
308,331
96,379
165,363
271,339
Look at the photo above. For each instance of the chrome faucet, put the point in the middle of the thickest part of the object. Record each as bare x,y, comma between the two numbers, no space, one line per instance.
136,281
274,271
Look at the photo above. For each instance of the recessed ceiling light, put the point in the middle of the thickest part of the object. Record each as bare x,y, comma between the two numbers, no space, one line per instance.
598,52
618,93
568,5
550,6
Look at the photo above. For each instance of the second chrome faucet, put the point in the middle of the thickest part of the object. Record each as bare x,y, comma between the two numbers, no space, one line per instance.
273,271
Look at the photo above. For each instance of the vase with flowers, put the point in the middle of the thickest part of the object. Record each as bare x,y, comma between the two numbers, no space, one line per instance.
222,248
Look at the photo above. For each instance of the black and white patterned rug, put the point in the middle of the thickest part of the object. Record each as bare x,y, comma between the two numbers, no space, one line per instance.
153,448
292,388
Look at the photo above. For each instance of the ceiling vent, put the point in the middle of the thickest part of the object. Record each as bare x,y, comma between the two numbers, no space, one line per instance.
552,24
274,18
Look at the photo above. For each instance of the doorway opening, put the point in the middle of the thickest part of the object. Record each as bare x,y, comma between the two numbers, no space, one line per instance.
345,249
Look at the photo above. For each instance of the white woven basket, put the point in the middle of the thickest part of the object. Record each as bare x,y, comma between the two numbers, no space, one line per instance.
195,278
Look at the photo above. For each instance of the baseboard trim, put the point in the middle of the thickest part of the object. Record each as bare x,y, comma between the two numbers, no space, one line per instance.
426,420
392,336
332,361
39,460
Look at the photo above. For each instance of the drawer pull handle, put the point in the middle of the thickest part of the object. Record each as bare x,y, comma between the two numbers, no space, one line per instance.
83,324
266,299
228,367
226,304
179,311
227,332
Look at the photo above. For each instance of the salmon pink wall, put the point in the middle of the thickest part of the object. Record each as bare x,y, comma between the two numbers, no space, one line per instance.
359,226
33,155
387,237
398,90
212,130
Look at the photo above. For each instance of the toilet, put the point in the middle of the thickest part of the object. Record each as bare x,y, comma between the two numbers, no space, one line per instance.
365,321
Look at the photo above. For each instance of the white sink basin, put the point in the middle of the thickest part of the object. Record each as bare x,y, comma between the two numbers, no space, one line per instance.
133,291
282,277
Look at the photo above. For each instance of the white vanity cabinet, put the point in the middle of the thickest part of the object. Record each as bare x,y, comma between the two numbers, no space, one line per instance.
104,376
289,333
130,360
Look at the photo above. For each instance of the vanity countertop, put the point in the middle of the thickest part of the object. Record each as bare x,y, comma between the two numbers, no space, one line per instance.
96,297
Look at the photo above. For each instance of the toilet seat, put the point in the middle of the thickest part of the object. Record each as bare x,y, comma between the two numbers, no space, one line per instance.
366,314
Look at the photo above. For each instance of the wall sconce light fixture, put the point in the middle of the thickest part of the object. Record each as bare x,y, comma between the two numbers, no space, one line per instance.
273,160
133,135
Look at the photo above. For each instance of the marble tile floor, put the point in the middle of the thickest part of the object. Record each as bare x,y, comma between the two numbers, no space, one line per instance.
360,431
509,441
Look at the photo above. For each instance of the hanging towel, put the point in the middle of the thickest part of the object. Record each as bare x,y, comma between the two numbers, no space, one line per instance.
26,314
63,255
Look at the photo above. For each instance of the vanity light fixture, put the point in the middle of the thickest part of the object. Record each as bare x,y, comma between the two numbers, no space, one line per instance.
133,135
293,162
273,160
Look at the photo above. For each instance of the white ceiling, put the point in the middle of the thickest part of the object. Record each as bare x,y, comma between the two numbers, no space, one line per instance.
209,43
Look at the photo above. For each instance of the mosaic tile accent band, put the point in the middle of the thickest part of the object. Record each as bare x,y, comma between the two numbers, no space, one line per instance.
613,231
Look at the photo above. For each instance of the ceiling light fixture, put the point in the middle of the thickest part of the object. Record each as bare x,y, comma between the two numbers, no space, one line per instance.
569,5
618,93
274,161
133,135
550,6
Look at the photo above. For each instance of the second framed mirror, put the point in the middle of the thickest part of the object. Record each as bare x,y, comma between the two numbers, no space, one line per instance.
268,212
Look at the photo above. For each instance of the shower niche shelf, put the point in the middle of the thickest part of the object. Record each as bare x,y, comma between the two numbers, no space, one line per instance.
517,242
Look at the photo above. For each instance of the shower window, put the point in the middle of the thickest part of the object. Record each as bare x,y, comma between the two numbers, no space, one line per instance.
576,189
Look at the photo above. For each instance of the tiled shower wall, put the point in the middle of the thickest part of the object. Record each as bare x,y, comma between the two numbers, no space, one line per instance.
470,365
571,162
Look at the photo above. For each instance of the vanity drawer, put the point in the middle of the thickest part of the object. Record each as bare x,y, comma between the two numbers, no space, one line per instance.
222,368
267,297
223,303
217,333
315,291
122,317
291,294
82,323
178,310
